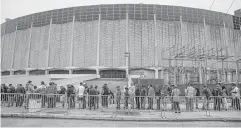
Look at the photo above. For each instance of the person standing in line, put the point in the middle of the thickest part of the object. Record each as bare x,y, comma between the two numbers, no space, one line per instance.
158,98
70,94
105,94
169,92
63,95
92,97
85,98
118,97
127,95
190,96
29,90
132,95
97,97
151,96
197,95
11,91
80,95
175,99
236,94
51,91
217,93
186,98
137,94
224,99
43,91
20,95
207,93
143,96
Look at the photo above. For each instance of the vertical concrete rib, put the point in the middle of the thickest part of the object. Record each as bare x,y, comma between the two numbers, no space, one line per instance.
14,47
49,37
29,46
71,45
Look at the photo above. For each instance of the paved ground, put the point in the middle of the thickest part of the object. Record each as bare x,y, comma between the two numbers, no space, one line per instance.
112,114
23,122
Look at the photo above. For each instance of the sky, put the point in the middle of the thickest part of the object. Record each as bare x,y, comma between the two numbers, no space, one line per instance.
17,8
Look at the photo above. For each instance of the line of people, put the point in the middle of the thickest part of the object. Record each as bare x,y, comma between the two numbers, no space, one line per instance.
135,95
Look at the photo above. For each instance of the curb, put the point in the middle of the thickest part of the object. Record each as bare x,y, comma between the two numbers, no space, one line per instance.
111,118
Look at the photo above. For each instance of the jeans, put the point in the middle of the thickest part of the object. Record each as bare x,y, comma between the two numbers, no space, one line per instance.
224,103
118,102
237,103
142,102
217,103
190,104
158,103
150,103
176,106
50,102
19,100
126,102
105,101
138,102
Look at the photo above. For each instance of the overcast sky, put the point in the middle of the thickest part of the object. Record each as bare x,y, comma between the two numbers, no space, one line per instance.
17,8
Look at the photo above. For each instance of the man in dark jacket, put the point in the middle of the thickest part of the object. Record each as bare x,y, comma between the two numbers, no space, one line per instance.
70,94
217,93
92,94
137,94
97,97
20,95
11,89
105,94
143,95
207,93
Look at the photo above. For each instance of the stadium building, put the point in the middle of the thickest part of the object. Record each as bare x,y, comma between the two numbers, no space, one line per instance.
177,44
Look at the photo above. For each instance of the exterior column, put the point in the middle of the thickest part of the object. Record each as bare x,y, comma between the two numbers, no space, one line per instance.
29,46
47,59
11,73
237,71
127,47
71,45
15,36
70,72
156,48
98,48
46,72
156,73
27,72
162,74
200,74
229,77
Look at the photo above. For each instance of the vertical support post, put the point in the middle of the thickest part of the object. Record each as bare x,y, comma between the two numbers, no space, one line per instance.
237,71
14,47
29,47
156,48
98,48
205,49
72,42
49,37
127,46
181,36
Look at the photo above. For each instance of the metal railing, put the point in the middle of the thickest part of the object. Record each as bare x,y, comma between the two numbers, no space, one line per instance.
33,102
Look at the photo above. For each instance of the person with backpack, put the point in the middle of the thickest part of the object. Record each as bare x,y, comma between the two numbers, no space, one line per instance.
207,93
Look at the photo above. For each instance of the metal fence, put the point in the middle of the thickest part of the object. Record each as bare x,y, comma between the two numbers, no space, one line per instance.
33,102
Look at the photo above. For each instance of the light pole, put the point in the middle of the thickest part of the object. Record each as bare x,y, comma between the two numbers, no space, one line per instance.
127,55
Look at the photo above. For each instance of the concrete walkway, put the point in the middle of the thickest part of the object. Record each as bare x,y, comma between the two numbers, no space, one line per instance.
122,115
